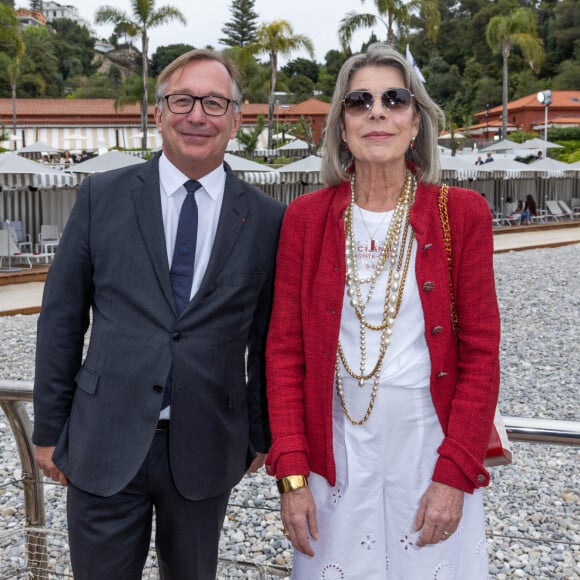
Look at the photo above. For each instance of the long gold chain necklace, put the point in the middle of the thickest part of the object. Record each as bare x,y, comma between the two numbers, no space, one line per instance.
397,250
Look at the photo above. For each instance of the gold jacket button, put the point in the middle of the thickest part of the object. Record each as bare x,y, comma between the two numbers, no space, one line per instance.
441,375
437,330
481,478
428,286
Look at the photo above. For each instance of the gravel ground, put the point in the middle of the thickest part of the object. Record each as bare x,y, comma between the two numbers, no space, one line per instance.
533,506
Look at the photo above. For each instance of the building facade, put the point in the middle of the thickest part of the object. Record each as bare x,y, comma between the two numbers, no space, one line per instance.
94,124
528,114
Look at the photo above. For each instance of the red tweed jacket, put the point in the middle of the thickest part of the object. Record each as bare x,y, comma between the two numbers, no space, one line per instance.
305,325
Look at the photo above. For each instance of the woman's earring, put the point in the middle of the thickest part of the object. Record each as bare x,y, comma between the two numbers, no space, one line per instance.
412,144
345,146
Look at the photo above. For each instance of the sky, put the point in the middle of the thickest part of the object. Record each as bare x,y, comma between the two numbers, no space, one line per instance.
316,19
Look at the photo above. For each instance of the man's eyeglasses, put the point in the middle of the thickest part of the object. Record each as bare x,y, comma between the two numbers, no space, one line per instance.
392,99
180,104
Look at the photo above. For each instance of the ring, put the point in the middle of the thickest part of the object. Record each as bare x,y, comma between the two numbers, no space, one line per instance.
447,533
285,532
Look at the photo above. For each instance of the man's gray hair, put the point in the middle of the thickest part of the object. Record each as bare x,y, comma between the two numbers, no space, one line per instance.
199,54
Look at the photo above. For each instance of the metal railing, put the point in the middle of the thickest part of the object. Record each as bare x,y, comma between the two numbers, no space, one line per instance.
13,395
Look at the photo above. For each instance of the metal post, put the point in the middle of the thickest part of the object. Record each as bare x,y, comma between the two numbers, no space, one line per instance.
545,129
17,416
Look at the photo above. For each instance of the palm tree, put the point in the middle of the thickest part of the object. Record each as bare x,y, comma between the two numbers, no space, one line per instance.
278,38
520,29
249,139
145,17
392,14
131,91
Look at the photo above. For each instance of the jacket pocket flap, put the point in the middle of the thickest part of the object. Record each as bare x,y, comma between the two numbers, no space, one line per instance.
87,381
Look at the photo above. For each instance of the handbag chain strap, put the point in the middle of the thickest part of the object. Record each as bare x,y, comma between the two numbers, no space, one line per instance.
442,201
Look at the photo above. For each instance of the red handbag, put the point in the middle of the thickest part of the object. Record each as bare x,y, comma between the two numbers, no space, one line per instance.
498,451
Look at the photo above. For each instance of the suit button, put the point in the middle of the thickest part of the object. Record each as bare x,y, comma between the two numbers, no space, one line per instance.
441,375
428,286
437,330
176,336
427,246
157,389
481,478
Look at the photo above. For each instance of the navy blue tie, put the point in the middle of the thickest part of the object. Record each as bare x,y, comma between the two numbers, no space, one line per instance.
184,251
183,261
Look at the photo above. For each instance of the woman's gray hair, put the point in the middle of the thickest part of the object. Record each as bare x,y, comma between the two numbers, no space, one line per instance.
198,54
337,159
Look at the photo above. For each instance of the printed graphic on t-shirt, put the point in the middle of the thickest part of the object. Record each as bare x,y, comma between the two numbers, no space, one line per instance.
370,230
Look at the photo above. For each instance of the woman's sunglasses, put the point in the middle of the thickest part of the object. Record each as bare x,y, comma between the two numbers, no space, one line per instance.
391,99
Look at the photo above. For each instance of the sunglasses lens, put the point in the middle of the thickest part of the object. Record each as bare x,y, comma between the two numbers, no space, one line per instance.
392,99
358,101
396,99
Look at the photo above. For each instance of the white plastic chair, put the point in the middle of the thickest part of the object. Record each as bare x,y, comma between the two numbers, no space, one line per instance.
48,239
22,240
9,251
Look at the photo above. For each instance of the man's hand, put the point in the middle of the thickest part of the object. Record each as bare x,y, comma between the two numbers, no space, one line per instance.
43,456
256,463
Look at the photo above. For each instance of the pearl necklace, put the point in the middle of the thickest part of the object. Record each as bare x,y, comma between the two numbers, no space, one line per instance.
396,252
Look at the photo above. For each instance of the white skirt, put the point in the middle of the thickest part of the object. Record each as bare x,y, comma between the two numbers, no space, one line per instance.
383,469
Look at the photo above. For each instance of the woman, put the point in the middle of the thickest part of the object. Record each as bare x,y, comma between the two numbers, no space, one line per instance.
380,414
66,160
529,209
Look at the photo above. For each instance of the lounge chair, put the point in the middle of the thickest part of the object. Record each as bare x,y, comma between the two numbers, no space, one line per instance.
541,216
575,206
555,211
566,209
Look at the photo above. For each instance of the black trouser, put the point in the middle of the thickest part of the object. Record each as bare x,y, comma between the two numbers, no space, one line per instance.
109,536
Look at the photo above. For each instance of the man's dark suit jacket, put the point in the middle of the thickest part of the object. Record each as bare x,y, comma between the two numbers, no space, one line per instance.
111,270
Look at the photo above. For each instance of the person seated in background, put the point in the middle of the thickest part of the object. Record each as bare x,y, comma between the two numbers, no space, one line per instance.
539,156
517,217
509,208
512,211
489,157
529,209
66,160
479,160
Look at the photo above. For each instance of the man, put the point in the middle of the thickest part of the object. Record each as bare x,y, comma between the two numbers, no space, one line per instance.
160,326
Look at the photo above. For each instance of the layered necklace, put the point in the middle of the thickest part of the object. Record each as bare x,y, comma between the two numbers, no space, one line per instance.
396,256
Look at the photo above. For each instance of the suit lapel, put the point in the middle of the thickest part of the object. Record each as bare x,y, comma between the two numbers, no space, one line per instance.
234,215
147,203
